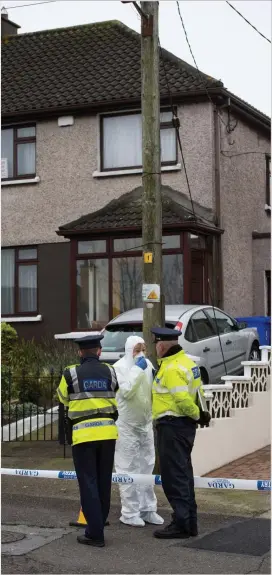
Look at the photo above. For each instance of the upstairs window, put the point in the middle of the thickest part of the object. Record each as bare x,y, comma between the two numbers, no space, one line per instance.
18,152
121,141
19,281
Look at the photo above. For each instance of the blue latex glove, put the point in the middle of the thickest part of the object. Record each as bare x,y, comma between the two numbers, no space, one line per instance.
141,362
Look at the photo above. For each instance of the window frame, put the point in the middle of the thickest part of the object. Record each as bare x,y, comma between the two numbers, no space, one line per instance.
212,310
268,180
163,126
21,262
110,255
17,141
194,329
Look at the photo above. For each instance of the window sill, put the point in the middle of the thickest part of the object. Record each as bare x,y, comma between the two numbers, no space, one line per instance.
21,319
19,182
110,173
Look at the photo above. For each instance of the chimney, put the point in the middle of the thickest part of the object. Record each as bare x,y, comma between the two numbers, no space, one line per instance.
8,28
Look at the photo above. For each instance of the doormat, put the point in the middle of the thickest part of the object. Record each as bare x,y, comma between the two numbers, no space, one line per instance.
251,537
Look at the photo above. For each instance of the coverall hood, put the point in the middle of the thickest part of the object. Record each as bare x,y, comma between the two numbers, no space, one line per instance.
132,340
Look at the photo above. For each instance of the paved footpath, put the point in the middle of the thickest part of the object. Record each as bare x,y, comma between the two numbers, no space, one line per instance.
36,537
256,465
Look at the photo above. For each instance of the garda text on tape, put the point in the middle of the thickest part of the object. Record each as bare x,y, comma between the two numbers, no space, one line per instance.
151,293
140,479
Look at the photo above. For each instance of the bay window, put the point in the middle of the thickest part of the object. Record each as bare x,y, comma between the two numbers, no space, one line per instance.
19,282
18,152
109,277
121,141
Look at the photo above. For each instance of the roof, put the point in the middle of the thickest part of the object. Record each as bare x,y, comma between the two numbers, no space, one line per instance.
126,212
92,67
83,65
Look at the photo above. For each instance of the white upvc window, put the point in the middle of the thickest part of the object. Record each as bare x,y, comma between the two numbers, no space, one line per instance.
121,141
18,153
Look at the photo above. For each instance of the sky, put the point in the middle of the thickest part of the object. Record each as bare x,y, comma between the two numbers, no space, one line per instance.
224,45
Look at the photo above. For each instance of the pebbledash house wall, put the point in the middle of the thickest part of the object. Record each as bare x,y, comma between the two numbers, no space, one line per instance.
67,157
243,199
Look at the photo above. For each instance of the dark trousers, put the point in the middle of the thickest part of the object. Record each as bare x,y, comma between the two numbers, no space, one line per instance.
93,463
175,440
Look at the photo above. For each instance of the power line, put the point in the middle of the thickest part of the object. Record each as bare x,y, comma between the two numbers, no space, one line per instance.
227,152
176,124
227,126
252,26
26,5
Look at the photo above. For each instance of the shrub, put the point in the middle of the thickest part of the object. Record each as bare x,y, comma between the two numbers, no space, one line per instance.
37,388
18,411
36,369
6,383
9,338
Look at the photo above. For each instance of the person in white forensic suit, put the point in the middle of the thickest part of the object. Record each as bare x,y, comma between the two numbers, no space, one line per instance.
135,450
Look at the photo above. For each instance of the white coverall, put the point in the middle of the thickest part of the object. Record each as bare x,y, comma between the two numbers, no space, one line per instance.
135,451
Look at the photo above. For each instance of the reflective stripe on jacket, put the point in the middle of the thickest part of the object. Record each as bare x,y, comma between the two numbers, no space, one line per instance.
175,387
89,392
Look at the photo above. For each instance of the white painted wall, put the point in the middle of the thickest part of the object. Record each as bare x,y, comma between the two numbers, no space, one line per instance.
229,438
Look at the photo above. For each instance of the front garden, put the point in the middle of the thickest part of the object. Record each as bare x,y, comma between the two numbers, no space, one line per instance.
30,374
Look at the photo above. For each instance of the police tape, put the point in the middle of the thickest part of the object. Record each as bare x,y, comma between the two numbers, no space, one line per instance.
139,479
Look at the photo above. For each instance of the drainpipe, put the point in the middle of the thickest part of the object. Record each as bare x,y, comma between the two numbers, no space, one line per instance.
217,243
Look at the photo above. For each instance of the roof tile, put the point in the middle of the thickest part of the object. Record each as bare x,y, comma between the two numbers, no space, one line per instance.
126,212
82,65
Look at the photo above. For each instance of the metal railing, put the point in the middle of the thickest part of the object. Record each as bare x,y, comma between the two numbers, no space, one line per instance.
29,406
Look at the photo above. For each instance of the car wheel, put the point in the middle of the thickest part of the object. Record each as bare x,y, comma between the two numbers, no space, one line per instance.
255,354
204,376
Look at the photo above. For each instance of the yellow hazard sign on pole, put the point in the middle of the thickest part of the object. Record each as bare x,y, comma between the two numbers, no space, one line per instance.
151,293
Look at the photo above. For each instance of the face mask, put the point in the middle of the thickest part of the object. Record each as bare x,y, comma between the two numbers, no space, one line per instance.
140,354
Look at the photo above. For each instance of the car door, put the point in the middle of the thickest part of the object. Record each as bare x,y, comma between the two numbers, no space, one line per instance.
231,340
200,340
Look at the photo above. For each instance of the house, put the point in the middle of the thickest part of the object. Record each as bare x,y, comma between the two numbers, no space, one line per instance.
72,183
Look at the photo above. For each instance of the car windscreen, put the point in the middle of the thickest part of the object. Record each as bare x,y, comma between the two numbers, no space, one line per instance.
115,336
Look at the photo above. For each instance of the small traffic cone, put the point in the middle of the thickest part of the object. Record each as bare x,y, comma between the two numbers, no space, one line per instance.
81,522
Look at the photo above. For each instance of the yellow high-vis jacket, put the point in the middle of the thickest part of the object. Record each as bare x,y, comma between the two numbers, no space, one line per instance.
175,387
88,390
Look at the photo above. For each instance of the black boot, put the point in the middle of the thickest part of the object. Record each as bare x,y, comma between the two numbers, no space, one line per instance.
89,541
193,530
172,531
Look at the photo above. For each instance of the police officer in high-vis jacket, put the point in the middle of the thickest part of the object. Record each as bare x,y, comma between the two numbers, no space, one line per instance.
89,392
175,410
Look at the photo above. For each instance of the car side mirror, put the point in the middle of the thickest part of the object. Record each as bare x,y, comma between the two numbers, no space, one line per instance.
241,325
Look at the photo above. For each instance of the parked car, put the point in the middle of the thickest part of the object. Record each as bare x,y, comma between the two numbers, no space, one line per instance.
217,339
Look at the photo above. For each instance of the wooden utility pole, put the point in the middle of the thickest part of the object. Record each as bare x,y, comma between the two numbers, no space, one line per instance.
151,200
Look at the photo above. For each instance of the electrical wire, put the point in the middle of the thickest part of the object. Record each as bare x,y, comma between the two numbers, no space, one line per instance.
176,123
227,126
226,153
26,5
252,26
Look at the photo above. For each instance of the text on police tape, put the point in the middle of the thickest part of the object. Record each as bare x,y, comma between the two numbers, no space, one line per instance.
263,485
27,472
220,484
